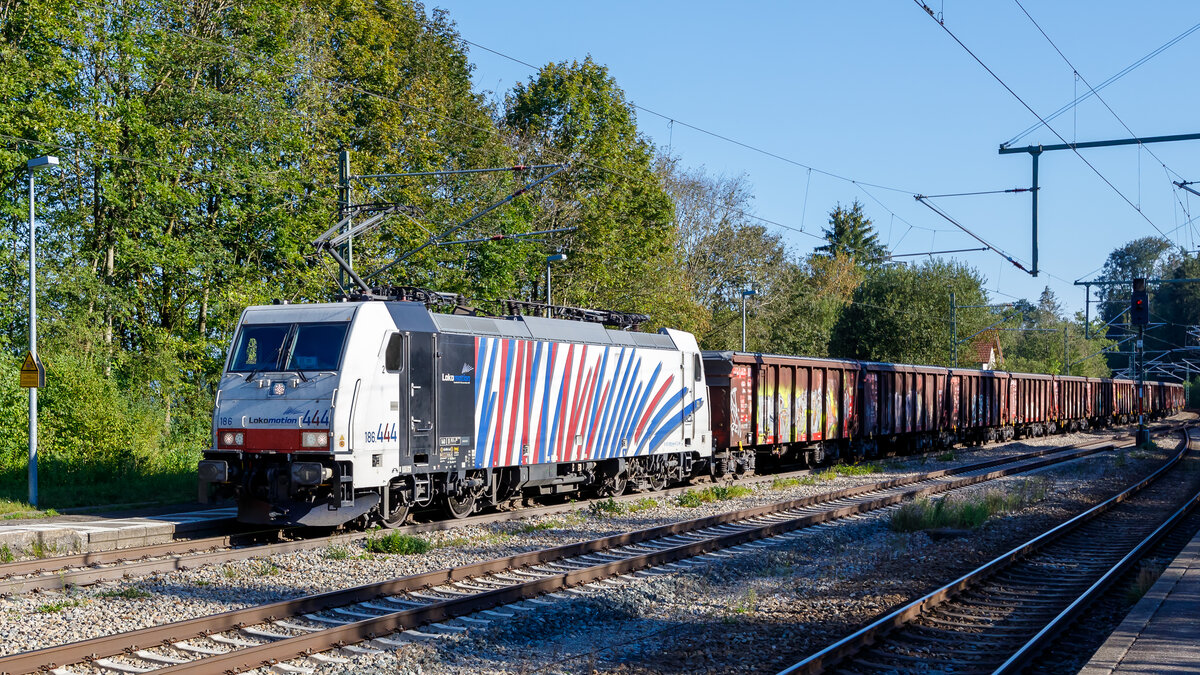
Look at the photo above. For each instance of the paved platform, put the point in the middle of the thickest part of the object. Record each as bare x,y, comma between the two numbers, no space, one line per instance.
85,534
1161,634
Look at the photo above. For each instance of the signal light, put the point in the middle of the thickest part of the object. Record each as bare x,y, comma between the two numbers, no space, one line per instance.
1139,307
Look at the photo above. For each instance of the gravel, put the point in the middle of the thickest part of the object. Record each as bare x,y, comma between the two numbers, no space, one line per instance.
784,600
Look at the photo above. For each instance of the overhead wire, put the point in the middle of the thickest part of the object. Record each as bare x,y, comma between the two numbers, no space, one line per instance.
1033,112
675,120
1094,91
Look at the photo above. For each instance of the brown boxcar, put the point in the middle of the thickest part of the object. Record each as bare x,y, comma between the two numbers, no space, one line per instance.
902,403
777,405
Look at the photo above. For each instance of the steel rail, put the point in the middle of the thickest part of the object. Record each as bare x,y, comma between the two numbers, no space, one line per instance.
833,654
50,657
55,574
1038,642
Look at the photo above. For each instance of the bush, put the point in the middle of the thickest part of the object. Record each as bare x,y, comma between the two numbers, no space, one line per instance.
99,442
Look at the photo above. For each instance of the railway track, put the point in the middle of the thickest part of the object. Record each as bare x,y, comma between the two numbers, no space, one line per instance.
83,569
385,614
1001,616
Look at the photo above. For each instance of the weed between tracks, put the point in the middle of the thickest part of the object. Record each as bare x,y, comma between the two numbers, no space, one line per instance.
396,543
609,508
60,605
716,493
967,512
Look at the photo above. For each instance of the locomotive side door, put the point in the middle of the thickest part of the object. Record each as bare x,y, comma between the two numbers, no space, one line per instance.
396,361
422,357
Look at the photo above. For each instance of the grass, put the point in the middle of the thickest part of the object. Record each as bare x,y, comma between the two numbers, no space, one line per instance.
165,478
131,593
6,554
967,512
947,456
60,605
693,498
1119,459
784,483
748,603
394,543
1147,574
13,509
643,504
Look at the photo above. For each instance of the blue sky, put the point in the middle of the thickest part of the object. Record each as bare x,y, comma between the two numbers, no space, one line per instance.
878,92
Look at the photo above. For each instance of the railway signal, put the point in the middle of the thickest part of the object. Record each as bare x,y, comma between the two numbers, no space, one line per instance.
1139,304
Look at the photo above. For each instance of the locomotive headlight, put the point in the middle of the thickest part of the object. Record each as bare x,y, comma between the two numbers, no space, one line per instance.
310,473
230,438
314,439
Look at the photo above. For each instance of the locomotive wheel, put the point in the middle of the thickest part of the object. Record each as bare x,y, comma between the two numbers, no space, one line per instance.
460,507
612,486
657,480
397,517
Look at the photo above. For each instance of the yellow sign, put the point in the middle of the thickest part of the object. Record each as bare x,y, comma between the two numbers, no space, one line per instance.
33,374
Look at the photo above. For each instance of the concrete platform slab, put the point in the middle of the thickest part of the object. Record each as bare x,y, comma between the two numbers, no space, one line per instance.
97,533
1161,634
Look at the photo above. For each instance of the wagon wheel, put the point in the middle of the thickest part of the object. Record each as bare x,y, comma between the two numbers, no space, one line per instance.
460,507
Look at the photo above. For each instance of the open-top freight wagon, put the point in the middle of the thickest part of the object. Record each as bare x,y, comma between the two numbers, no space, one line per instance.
769,407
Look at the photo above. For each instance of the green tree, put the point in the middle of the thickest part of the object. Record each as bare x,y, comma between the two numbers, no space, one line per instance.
622,254
816,293
850,233
900,313
723,250
1039,347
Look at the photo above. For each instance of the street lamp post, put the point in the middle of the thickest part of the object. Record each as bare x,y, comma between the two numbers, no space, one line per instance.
745,294
31,166
556,257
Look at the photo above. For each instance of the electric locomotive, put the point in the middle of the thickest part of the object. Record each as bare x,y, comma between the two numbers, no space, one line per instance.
328,414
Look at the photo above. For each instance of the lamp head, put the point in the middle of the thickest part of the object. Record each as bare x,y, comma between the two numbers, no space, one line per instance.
41,162
749,292
557,257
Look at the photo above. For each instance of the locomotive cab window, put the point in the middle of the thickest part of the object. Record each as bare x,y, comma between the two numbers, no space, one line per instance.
317,346
281,346
393,356
258,347
697,368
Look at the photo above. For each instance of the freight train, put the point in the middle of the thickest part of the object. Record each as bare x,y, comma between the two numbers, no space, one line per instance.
356,412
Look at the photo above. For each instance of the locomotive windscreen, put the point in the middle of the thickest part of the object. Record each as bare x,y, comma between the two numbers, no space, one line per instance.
286,347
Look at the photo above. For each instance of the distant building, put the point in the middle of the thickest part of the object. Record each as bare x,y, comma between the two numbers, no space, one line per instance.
988,352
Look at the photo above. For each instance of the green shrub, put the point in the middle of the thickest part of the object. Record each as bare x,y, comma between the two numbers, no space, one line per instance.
103,439
336,552
606,508
396,543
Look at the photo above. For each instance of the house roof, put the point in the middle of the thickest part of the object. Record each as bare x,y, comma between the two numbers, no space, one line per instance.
984,346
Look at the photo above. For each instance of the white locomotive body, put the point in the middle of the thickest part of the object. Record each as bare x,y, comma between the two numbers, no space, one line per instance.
358,411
